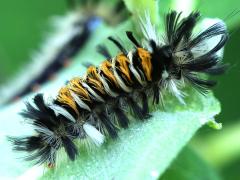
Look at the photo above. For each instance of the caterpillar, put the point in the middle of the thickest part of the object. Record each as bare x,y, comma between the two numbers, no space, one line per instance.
71,32
96,106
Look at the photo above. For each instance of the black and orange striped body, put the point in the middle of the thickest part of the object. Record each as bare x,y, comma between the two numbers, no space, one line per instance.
103,89
113,86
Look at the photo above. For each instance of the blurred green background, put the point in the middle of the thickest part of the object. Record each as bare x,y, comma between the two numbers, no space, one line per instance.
25,24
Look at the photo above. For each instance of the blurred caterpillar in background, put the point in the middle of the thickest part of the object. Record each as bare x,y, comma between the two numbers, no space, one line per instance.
96,106
71,33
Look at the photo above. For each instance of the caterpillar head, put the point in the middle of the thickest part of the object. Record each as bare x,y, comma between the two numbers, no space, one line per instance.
185,55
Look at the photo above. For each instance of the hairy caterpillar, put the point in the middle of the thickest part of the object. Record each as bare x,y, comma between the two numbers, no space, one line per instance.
95,105
71,32
56,53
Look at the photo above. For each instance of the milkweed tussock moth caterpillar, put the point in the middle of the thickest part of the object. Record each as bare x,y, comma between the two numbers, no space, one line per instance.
71,32
95,106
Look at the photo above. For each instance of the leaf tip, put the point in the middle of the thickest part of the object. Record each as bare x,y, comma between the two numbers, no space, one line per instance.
215,125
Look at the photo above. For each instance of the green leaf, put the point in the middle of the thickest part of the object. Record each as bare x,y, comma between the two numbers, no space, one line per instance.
187,166
146,149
